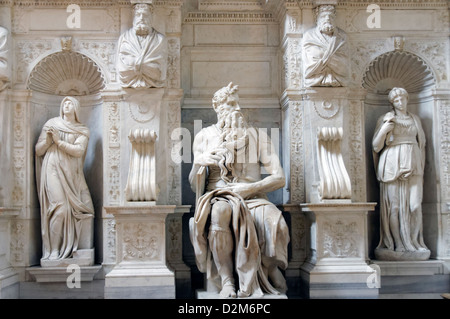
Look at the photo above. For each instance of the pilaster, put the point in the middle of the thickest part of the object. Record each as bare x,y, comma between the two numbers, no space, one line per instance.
141,268
9,278
337,264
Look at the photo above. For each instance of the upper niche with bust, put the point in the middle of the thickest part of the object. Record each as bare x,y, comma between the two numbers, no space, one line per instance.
66,73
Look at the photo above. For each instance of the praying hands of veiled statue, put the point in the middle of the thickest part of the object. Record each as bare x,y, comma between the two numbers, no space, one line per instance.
246,233
63,193
399,156
142,52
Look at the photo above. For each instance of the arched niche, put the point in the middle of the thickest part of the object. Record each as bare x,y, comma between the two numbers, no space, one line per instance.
406,70
68,73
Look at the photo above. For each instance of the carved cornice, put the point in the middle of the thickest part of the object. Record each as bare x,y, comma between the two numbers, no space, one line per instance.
270,6
229,17
140,210
84,3
229,5
384,4
61,3
330,207
381,3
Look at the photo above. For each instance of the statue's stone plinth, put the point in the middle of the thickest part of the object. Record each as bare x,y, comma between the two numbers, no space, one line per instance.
9,278
337,265
141,270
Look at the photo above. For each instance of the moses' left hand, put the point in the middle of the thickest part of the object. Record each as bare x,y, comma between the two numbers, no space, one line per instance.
245,190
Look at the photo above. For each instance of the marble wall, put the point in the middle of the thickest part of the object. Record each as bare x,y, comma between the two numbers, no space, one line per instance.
257,45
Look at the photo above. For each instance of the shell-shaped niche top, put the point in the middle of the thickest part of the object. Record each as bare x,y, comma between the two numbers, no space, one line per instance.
398,68
67,73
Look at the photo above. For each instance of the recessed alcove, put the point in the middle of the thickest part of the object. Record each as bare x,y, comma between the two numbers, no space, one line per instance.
68,73
409,71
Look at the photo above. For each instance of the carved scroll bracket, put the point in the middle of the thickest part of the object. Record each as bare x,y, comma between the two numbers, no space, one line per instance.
334,179
141,184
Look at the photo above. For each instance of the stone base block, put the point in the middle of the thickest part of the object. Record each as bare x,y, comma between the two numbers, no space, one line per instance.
203,294
391,255
140,283
140,292
9,284
337,266
293,284
402,279
357,281
82,257
60,290
141,269
410,268
61,274
211,291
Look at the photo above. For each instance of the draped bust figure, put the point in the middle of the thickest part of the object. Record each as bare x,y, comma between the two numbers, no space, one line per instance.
236,231
4,69
63,193
399,156
142,52
325,59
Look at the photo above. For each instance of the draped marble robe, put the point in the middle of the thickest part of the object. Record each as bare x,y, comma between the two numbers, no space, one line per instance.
258,227
142,60
62,189
325,60
401,157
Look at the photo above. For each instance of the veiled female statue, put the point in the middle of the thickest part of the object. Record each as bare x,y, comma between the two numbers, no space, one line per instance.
399,155
63,193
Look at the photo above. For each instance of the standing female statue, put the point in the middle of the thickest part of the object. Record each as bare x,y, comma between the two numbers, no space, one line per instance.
399,155
63,193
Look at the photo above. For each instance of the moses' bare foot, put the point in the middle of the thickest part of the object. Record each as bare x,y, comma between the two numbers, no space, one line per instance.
278,280
228,291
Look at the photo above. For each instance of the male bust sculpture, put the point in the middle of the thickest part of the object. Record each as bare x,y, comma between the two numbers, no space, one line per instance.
235,227
142,52
325,60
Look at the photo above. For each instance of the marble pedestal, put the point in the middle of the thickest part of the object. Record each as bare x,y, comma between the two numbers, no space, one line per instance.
337,265
63,275
174,227
9,278
140,270
413,278
298,248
